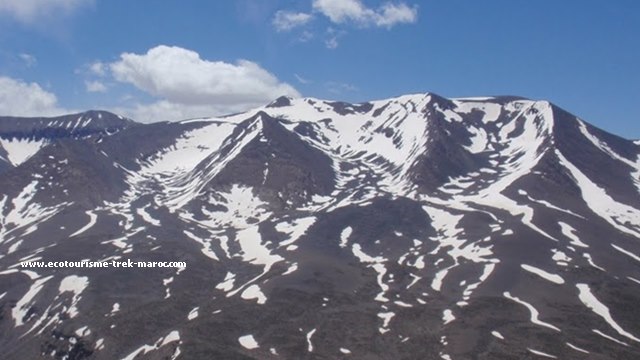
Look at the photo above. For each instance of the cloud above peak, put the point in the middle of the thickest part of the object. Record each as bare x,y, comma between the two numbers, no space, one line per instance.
187,85
181,76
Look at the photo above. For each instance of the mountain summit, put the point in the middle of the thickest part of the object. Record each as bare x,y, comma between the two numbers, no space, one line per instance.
417,227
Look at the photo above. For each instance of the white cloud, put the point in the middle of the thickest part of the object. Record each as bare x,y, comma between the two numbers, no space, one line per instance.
98,68
392,14
305,36
340,11
95,86
29,60
29,11
287,20
19,98
189,86
181,76
388,15
331,42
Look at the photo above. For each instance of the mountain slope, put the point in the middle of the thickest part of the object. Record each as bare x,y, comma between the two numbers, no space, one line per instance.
417,227
21,138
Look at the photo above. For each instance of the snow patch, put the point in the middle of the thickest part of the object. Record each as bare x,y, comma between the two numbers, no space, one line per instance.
626,252
309,344
206,245
147,217
609,337
248,342
447,316
344,236
92,221
570,233
532,310
193,313
577,348
83,331
386,319
556,279
171,337
590,260
560,257
254,292
617,214
76,285
590,301
20,310
227,284
294,229
21,150
377,263
115,308
540,353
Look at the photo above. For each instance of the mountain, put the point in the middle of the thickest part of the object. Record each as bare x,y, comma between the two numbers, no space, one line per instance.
21,138
417,227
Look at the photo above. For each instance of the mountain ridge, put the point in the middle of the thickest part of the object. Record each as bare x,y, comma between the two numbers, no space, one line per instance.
411,227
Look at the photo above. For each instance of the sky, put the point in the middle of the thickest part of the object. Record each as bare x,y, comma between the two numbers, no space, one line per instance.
172,60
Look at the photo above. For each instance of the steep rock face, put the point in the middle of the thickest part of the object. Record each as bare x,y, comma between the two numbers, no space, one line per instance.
442,158
279,165
416,227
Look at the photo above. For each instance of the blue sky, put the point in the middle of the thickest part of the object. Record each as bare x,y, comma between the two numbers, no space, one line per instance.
166,60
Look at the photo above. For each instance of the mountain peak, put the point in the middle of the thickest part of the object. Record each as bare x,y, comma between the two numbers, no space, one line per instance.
280,102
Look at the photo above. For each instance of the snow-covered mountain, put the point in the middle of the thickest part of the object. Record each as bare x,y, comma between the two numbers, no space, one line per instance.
417,227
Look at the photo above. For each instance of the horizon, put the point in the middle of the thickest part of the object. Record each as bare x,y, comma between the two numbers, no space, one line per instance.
214,59
221,116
